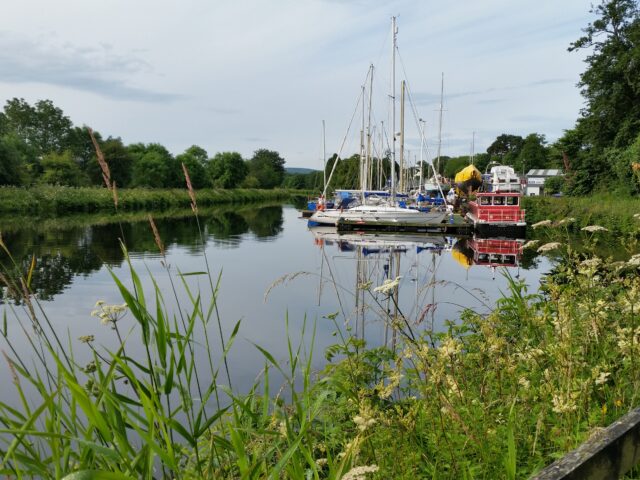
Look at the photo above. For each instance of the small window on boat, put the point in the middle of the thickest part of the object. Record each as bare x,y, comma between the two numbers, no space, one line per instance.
512,201
498,200
483,257
485,200
509,260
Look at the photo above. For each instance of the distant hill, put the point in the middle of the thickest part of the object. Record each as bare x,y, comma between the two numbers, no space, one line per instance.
303,171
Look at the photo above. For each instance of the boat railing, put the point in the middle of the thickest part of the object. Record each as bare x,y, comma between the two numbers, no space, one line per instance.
501,215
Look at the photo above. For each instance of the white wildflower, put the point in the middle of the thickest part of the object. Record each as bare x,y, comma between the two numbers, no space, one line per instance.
567,220
359,473
388,285
524,383
634,261
636,215
594,228
602,378
549,246
543,223
531,244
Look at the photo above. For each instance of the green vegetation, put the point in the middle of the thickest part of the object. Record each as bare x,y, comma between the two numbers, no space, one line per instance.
618,214
495,396
43,200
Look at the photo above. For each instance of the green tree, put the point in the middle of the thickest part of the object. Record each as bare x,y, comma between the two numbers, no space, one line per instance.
61,169
43,126
228,170
12,167
505,149
454,165
532,155
611,82
267,166
154,167
553,185
195,159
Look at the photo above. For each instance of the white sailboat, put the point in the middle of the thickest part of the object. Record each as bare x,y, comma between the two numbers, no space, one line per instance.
389,211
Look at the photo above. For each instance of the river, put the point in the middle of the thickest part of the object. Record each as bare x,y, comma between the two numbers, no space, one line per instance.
275,276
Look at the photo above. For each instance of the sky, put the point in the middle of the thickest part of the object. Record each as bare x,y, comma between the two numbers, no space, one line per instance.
241,75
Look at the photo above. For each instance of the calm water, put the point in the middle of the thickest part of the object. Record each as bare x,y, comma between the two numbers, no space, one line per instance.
272,268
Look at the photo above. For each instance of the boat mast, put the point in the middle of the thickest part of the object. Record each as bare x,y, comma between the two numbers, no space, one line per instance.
440,125
363,180
324,158
421,121
394,32
401,186
368,154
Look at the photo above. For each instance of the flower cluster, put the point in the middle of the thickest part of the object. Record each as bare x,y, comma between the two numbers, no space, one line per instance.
109,314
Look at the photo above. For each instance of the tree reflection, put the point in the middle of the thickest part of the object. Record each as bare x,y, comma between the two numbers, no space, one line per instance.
81,246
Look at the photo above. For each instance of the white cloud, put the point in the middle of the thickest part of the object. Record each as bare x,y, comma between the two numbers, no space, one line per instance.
255,74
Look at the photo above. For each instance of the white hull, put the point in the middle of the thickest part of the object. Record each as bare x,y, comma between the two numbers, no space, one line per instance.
377,214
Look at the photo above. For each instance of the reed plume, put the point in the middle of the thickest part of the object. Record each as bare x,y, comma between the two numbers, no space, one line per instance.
192,194
156,235
106,173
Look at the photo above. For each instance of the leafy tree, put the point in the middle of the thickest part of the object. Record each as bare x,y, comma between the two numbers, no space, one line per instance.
267,167
505,149
611,82
454,165
228,170
119,160
84,153
553,185
195,159
61,169
12,168
43,126
154,166
533,153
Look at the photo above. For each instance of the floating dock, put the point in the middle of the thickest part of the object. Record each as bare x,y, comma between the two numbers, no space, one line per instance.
455,226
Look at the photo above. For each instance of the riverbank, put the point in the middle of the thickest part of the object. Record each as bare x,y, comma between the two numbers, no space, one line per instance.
54,200
613,212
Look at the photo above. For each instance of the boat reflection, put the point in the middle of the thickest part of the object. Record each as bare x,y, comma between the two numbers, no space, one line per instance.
488,252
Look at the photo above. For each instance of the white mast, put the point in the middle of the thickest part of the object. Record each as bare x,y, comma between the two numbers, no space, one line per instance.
368,155
394,32
401,185
440,125
324,158
421,150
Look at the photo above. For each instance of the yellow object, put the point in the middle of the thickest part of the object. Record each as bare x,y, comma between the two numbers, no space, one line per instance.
467,180
461,258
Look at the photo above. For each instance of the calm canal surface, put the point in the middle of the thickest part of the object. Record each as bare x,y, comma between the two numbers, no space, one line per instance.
272,268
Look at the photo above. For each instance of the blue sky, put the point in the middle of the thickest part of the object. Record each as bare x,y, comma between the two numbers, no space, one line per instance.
246,74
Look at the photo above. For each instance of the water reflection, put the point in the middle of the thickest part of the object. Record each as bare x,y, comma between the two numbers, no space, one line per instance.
64,249
404,279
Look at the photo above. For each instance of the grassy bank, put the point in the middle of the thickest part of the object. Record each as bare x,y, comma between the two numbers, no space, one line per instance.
51,200
613,212
494,396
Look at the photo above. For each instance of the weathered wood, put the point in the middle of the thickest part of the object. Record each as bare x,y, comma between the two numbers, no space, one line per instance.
608,454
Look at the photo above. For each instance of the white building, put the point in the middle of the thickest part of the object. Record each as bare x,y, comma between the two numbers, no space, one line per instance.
535,180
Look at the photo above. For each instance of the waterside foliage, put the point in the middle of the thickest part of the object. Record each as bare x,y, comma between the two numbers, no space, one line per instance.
52,200
493,396
616,213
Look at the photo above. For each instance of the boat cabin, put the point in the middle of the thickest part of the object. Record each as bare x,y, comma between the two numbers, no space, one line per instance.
495,207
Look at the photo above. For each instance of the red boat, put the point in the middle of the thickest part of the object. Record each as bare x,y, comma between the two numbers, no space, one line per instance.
498,214
496,211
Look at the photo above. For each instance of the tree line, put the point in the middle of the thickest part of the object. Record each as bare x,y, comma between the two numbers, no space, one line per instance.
40,145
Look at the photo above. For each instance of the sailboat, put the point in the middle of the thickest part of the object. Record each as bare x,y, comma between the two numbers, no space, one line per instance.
389,211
